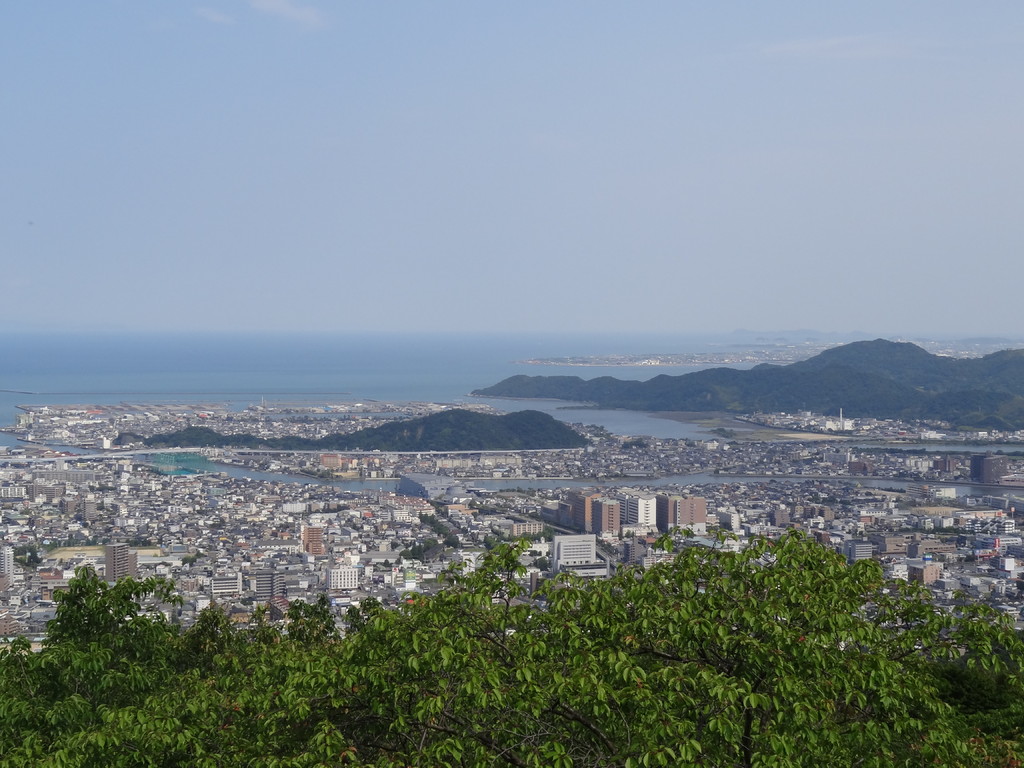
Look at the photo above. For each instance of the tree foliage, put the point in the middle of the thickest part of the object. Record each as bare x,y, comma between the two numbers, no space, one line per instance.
779,655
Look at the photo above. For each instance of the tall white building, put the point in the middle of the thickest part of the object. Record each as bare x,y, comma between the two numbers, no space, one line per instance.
639,509
6,560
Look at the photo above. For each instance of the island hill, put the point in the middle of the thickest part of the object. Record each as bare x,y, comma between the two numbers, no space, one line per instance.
454,430
879,379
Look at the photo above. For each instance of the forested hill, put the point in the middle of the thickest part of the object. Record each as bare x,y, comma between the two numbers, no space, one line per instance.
455,430
880,378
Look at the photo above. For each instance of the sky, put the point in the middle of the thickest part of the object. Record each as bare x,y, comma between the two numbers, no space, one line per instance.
669,167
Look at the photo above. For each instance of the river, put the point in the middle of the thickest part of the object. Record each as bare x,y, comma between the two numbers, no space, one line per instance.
702,478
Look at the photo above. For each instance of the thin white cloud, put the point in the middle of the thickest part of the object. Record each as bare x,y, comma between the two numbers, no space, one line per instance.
290,10
214,16
851,47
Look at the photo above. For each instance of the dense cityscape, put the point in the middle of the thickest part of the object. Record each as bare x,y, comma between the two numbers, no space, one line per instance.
511,385
248,528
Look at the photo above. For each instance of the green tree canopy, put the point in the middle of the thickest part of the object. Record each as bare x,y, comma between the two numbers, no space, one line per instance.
781,655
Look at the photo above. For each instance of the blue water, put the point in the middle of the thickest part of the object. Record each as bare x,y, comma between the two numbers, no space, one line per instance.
243,369
702,478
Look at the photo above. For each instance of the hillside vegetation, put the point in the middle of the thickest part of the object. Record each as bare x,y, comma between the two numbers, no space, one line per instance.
881,379
454,430
781,655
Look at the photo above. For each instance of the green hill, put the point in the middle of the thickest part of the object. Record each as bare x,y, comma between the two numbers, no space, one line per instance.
454,430
880,378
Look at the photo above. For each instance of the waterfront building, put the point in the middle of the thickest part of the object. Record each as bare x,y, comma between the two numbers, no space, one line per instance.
988,469
423,485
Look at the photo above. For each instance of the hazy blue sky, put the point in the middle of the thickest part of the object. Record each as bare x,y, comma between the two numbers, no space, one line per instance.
676,166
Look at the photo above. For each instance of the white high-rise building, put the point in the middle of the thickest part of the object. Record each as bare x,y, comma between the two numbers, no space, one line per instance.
6,560
640,509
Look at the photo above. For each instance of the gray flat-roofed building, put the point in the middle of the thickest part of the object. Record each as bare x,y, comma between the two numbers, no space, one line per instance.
424,485
858,549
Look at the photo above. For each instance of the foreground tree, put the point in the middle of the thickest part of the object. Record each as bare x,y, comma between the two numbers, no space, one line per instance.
780,655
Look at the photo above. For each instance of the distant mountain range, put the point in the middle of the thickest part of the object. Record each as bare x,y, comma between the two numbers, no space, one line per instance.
454,430
881,379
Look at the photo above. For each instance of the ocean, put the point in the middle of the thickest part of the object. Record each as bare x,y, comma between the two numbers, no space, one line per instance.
242,369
